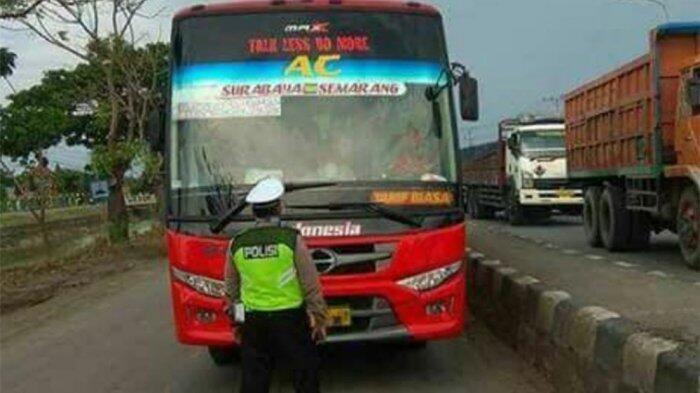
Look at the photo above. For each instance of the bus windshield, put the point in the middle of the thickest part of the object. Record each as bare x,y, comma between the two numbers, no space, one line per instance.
306,96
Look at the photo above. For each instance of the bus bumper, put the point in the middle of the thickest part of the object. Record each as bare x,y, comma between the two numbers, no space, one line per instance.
394,313
380,307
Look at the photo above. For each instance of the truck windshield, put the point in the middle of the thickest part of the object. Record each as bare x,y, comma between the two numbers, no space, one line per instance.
305,96
543,144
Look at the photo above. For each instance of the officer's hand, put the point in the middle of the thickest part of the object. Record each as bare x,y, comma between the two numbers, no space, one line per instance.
318,332
230,311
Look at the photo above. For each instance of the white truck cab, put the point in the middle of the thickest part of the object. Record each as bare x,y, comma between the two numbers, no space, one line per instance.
536,171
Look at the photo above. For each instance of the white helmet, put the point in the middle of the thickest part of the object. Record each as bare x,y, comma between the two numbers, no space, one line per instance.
265,191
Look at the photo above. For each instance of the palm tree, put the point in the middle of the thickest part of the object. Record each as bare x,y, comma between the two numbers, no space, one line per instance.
7,65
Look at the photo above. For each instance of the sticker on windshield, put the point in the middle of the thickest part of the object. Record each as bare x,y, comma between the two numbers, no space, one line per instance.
328,89
241,107
256,88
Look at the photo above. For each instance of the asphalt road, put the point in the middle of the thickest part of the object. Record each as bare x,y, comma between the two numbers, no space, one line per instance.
652,286
566,234
116,336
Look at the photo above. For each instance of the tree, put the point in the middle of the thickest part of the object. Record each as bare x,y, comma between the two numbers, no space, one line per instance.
69,181
36,188
7,66
128,79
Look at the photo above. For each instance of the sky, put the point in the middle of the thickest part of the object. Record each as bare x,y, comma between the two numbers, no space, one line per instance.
523,52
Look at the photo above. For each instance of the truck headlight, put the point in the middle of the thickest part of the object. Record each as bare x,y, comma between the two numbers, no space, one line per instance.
431,279
528,180
203,285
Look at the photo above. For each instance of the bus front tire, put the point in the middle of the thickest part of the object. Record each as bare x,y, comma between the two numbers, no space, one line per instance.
222,356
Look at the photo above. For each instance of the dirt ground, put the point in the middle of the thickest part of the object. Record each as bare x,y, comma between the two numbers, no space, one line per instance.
28,284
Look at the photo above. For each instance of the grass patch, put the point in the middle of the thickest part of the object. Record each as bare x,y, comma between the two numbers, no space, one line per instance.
65,213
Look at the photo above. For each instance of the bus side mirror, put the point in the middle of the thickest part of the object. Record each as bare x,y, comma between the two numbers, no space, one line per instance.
155,130
468,97
694,93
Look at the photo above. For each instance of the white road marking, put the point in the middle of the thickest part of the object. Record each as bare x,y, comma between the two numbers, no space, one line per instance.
697,284
624,264
551,246
475,255
595,257
491,262
571,252
526,280
658,273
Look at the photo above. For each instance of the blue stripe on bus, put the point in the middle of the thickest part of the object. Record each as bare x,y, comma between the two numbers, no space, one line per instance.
405,71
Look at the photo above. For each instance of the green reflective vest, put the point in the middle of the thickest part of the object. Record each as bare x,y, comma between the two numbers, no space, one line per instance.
264,259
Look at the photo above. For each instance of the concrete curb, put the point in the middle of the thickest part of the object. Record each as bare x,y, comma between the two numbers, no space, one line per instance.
579,348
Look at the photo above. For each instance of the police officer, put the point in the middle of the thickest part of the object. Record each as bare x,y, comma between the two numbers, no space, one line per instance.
272,284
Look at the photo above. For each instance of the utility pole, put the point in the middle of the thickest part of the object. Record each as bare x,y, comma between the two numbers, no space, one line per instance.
555,101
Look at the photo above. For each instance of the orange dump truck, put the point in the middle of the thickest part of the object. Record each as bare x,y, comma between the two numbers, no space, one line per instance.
633,141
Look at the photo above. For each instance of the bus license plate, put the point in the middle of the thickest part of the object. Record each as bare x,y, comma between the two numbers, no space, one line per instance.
339,316
565,193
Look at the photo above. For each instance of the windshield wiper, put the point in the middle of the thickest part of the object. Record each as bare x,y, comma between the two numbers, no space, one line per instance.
227,217
367,206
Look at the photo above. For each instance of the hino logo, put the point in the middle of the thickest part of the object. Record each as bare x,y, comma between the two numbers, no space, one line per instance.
325,260
328,230
313,28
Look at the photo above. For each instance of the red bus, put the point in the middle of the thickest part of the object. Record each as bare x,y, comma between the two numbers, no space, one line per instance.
349,102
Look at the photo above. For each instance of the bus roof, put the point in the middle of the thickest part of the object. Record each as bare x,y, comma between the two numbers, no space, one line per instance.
247,6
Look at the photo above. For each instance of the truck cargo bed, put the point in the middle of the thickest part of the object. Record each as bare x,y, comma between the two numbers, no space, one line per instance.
623,122
484,164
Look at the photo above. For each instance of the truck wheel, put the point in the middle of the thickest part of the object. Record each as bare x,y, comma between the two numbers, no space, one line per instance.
516,212
484,212
640,231
476,210
540,216
223,356
591,204
469,204
688,225
613,219
467,199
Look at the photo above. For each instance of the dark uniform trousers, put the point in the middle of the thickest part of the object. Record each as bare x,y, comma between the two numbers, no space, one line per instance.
270,338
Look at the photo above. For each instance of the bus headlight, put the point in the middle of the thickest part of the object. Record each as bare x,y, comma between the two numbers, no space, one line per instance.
528,180
431,279
203,285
